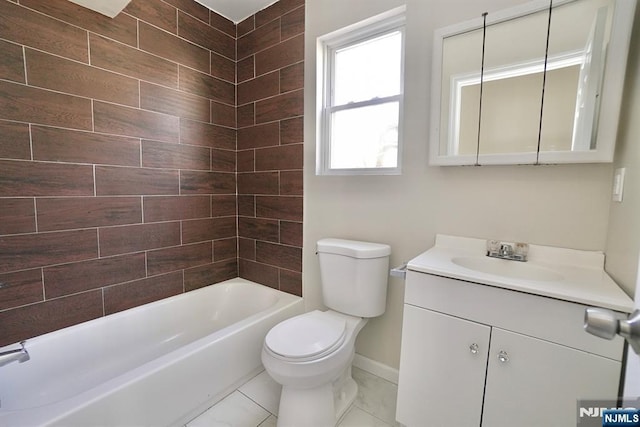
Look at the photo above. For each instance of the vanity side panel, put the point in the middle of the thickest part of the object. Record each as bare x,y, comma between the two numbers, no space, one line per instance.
552,320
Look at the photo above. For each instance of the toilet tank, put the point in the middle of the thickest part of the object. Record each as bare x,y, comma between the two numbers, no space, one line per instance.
354,276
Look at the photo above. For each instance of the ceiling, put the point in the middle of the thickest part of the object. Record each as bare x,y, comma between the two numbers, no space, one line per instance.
110,8
236,10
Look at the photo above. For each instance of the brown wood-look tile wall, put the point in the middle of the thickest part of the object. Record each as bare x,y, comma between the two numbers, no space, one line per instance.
270,74
144,156
117,159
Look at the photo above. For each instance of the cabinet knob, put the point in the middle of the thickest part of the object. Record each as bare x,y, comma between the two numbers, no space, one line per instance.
473,348
503,356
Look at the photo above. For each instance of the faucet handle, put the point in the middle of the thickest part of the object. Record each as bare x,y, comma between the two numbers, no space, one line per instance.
506,249
521,249
493,246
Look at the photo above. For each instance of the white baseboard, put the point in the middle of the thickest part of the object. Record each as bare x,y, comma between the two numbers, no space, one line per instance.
376,368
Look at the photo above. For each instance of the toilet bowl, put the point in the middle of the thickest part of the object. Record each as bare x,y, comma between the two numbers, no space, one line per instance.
310,355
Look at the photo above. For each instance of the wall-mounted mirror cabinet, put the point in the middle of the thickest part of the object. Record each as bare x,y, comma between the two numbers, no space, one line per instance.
538,83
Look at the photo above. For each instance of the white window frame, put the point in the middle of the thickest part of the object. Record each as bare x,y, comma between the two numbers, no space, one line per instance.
389,22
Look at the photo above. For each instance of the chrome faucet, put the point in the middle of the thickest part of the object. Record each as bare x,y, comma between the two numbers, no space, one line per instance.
509,251
506,250
20,354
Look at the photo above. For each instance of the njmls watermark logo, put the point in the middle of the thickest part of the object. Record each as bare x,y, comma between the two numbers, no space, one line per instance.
607,413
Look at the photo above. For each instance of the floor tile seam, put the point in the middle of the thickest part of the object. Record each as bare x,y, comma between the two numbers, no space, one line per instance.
356,405
251,399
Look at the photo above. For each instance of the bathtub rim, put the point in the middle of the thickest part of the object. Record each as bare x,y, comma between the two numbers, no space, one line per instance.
52,412
129,311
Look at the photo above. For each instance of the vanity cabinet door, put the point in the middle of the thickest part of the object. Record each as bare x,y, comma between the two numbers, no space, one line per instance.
442,369
531,382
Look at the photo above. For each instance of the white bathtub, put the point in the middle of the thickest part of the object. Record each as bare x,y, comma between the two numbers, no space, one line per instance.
159,364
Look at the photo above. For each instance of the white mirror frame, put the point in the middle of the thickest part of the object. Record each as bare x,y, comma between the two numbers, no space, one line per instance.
610,102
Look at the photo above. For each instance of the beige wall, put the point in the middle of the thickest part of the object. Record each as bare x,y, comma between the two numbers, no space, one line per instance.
551,205
511,113
623,237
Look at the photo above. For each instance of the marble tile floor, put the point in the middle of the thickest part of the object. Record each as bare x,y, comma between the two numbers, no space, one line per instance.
255,404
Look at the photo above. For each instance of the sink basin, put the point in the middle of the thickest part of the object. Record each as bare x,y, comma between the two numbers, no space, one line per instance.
505,268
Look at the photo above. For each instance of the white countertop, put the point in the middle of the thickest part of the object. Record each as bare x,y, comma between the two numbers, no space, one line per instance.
582,276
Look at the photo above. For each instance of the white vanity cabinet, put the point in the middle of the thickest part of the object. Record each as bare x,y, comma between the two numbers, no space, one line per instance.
479,355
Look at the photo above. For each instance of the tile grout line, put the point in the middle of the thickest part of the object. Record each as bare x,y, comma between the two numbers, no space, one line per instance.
24,64
88,49
57,55
257,403
353,406
122,74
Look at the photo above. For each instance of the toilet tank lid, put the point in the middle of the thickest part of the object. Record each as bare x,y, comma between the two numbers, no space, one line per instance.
353,248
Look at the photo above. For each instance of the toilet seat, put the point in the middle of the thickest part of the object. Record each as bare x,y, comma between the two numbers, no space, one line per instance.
306,337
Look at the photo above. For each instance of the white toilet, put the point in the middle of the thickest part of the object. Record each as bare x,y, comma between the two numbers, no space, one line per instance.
311,354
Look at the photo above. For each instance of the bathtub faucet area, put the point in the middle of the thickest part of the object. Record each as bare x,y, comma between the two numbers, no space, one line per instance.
19,354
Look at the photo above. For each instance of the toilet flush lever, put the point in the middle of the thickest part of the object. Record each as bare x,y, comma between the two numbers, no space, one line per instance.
606,324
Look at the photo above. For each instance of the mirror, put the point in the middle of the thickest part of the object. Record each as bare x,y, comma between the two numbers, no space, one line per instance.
586,44
527,85
512,86
461,56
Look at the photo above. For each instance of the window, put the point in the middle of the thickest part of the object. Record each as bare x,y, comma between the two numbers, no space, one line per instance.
362,93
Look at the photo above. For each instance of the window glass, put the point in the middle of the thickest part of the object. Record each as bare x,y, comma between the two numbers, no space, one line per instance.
365,137
368,69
